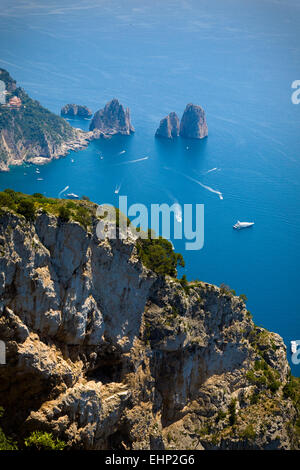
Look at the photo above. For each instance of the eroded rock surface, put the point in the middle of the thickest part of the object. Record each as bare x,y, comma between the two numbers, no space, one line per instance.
113,119
76,110
107,355
193,122
168,127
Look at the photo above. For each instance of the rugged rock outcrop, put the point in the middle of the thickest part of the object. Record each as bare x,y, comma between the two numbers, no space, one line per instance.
76,110
31,133
193,122
105,354
113,119
168,127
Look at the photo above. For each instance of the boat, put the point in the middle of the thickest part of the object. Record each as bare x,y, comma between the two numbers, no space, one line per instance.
72,196
294,347
240,225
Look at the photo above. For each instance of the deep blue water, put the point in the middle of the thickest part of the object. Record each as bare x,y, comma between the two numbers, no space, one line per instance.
237,59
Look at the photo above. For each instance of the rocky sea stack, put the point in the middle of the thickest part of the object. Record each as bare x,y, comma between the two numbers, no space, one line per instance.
106,352
193,122
76,110
113,119
168,127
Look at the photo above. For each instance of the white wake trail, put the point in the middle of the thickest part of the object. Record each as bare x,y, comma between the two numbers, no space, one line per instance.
62,191
196,181
133,161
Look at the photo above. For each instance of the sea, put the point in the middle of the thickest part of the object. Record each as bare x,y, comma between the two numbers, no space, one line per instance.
235,58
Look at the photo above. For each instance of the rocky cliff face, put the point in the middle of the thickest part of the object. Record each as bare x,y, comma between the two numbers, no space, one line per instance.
31,133
193,122
168,127
76,110
107,355
113,119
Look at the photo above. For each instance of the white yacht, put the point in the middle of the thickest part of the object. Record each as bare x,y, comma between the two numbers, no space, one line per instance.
72,196
240,225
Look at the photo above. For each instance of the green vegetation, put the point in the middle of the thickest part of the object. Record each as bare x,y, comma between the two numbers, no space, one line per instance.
31,123
220,416
232,412
263,376
243,297
224,289
64,213
39,440
83,216
27,206
158,255
6,443
248,432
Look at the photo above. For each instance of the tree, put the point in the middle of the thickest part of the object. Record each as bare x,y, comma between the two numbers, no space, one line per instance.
158,255
64,214
26,208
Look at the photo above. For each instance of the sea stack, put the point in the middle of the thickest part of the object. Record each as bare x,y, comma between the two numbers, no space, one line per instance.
193,122
76,110
113,119
168,127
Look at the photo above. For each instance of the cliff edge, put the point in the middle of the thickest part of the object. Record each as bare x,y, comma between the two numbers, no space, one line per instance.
107,354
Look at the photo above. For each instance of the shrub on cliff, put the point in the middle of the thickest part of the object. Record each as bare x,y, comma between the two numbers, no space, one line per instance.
64,214
26,208
83,216
39,440
6,443
158,255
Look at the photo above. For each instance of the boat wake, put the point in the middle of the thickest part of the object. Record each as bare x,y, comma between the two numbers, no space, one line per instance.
118,187
196,181
62,191
133,161
211,190
212,169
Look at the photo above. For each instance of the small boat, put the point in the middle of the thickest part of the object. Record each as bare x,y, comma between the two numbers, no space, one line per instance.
293,347
72,196
40,179
240,225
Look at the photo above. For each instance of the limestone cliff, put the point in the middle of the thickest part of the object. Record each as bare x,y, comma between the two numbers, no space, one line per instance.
106,354
31,133
168,127
76,110
113,119
193,122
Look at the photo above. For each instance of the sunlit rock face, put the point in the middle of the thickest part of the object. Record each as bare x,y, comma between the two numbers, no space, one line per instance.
168,127
193,122
76,110
105,354
113,119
